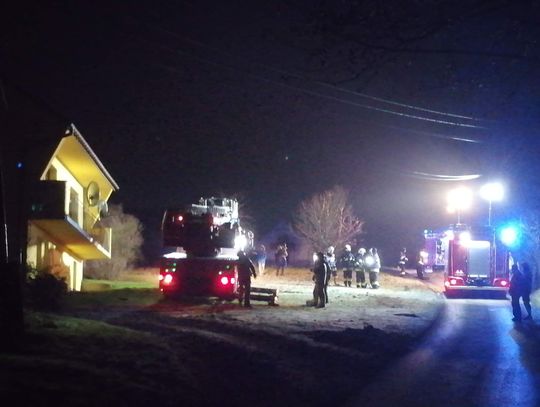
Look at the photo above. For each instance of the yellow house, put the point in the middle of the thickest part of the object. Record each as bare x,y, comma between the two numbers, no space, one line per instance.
53,189
66,206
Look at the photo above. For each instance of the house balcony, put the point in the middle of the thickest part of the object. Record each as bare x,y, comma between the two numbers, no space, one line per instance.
68,222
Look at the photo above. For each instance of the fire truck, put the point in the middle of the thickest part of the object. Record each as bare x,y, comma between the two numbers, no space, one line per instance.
205,238
471,258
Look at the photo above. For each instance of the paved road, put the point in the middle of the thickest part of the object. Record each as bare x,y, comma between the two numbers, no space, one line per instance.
475,356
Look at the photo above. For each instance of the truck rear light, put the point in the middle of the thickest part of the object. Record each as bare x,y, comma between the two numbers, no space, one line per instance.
167,279
453,281
224,280
161,277
233,280
501,282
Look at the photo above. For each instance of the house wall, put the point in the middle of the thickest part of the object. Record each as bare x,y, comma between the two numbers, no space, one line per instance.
74,191
43,254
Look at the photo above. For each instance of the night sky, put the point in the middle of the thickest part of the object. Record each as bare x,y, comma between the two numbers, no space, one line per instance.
277,101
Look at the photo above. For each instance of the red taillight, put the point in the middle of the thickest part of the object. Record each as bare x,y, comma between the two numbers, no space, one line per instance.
224,280
161,277
233,280
179,218
454,281
503,283
167,279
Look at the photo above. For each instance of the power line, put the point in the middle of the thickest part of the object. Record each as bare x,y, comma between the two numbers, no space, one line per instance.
372,122
315,93
321,83
441,177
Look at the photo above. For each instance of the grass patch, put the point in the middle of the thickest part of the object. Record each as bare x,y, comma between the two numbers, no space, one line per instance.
75,361
120,297
103,285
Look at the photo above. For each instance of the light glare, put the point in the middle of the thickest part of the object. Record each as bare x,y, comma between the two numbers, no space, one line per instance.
460,198
240,242
509,236
493,191
168,279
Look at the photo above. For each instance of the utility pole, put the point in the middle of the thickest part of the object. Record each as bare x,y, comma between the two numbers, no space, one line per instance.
11,305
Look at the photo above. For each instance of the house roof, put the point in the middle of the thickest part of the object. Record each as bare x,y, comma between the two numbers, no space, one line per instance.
33,132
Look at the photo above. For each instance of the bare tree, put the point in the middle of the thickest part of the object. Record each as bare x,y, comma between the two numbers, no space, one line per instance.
531,244
126,245
327,219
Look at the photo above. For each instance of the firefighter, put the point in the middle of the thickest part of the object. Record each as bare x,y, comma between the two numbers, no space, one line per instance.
245,270
420,266
527,288
516,290
281,256
320,273
347,262
402,261
261,258
330,258
360,268
373,264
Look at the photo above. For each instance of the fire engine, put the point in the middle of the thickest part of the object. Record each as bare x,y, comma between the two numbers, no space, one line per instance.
471,258
206,237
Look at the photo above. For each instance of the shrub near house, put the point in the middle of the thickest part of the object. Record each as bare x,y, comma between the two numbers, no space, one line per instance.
126,246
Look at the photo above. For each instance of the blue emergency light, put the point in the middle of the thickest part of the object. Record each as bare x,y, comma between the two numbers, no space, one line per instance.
510,235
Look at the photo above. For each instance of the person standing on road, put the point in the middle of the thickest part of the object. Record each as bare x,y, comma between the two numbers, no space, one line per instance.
320,273
373,263
360,268
420,266
330,258
347,262
281,259
402,261
261,259
527,288
515,291
245,270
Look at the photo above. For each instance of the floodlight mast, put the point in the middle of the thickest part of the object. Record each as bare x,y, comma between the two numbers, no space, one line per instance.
493,191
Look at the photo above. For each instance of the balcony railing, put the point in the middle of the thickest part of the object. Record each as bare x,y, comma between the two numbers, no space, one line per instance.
87,239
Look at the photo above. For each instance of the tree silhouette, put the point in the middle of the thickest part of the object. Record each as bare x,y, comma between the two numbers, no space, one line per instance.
126,245
327,219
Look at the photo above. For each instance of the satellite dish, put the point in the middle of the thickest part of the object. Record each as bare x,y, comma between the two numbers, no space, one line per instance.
92,193
103,208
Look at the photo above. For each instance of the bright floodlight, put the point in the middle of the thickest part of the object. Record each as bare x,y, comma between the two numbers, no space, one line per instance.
240,242
494,191
460,198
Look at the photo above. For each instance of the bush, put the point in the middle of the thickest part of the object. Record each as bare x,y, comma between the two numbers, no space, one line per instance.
44,291
126,244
